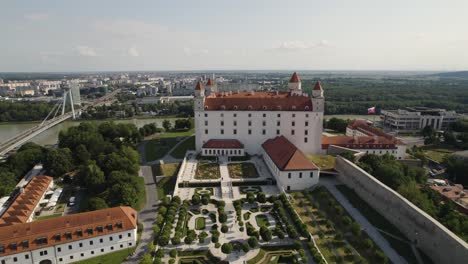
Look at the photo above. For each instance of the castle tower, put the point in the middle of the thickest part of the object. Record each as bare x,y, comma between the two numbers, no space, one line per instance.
294,85
318,98
211,86
199,96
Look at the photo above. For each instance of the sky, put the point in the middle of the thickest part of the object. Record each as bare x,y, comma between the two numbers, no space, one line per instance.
153,35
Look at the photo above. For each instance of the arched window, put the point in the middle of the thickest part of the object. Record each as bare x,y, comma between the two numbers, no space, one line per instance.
249,107
264,107
306,108
223,107
235,107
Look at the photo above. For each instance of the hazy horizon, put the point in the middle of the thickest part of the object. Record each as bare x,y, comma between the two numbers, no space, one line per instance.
307,35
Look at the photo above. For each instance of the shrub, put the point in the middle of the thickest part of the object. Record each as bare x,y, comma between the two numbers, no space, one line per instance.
346,221
173,253
222,217
245,247
297,245
157,261
160,253
265,233
196,199
226,248
172,261
224,228
253,242
217,245
355,229
261,197
250,198
368,244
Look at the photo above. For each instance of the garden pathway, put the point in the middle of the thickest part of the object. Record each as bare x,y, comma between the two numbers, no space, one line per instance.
368,227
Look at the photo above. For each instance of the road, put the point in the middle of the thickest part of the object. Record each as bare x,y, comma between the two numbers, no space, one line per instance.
147,215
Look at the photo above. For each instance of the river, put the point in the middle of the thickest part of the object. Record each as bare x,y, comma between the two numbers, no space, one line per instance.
49,137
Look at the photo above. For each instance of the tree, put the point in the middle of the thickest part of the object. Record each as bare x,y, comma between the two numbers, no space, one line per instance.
173,253
96,203
167,125
58,161
261,197
348,155
147,259
91,176
123,194
250,197
224,228
265,233
196,199
226,248
81,155
8,180
253,242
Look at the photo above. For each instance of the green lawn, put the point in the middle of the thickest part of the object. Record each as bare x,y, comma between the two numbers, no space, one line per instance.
324,162
438,152
111,258
167,169
262,220
48,217
200,223
166,186
141,195
156,148
188,144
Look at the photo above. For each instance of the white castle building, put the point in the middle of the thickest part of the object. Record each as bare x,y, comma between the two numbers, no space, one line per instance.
254,117
279,126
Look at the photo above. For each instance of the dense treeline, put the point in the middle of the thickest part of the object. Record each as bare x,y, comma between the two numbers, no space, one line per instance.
409,182
105,161
355,95
100,158
116,110
24,111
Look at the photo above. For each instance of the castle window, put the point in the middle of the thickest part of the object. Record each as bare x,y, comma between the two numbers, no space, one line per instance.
119,225
222,122
292,132
311,174
68,235
277,132
307,115
235,131
250,131
79,232
235,108
109,227
206,122
99,229
278,123
293,123
206,108
306,132
293,115
13,246
306,108
222,131
305,140
206,115
306,123
279,115
223,107
300,175
206,131
250,107
2,249
235,115
57,237
289,175
235,123
25,243
264,107
250,115
264,123
222,114
250,122
263,132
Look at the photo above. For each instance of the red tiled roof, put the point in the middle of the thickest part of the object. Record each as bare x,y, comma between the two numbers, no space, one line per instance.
22,207
286,156
295,78
199,86
362,126
374,142
209,82
318,86
49,228
223,144
258,101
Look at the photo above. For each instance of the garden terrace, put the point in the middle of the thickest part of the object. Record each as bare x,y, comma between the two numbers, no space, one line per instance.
242,170
207,171
338,236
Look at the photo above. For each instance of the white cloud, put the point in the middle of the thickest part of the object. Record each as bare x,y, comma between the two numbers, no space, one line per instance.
294,45
323,43
133,52
86,51
36,16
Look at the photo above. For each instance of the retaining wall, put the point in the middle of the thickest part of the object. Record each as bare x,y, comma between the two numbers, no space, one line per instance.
439,243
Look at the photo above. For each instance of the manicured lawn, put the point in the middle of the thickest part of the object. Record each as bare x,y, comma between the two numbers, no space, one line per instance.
200,223
167,169
166,186
188,144
207,171
111,258
242,170
324,162
141,195
48,217
438,152
262,220
156,148
247,189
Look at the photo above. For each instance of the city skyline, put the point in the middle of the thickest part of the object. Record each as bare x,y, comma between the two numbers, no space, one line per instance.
257,35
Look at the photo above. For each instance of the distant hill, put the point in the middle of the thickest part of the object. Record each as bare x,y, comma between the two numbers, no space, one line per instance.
453,75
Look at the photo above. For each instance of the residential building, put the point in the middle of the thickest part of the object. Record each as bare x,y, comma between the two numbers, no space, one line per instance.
69,238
